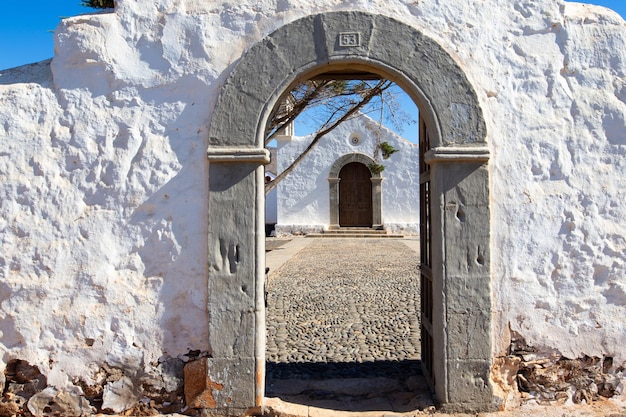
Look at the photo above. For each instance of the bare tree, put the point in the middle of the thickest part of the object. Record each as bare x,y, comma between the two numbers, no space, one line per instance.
337,101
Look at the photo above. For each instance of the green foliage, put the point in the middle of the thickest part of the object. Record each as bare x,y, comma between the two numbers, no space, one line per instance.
387,149
98,4
376,168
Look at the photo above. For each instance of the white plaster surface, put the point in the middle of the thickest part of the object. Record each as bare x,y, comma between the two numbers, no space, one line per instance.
303,196
271,203
103,173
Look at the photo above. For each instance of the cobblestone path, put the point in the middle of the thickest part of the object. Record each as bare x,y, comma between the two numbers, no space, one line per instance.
345,300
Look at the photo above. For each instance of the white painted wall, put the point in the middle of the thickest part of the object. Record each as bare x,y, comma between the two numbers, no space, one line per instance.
271,203
103,173
303,196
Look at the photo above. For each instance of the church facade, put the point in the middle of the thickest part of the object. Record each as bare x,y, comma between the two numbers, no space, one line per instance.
341,163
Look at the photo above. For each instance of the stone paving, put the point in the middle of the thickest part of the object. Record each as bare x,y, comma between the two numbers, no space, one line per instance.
344,312
345,300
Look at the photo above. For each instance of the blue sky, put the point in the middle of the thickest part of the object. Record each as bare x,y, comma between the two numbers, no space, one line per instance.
26,26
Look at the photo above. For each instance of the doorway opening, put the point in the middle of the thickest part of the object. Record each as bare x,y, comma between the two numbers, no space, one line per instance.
343,315
458,188
343,330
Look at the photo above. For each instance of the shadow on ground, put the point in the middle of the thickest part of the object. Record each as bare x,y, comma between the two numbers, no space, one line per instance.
397,386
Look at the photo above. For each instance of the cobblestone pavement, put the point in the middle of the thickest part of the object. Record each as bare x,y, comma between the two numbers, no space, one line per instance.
345,312
345,300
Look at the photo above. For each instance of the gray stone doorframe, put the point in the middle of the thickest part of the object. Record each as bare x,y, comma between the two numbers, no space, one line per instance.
462,330
333,189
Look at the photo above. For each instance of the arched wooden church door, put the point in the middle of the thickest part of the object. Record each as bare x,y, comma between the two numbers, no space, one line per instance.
355,196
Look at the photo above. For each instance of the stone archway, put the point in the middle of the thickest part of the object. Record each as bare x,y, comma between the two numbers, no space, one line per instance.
334,184
458,187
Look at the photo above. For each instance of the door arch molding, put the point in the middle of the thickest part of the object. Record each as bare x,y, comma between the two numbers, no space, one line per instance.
459,202
334,184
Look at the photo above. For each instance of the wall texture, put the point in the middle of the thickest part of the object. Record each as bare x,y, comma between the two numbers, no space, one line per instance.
104,179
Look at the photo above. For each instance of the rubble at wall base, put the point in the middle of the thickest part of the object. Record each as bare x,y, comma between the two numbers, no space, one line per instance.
547,377
25,391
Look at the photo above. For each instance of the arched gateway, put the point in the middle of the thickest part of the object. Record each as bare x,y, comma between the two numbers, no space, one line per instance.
456,297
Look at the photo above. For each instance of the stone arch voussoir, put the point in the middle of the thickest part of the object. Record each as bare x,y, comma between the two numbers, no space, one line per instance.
312,45
351,157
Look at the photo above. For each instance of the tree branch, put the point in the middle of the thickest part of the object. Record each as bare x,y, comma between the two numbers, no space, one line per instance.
366,98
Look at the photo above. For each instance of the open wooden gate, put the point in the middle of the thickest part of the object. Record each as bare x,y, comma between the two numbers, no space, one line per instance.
426,290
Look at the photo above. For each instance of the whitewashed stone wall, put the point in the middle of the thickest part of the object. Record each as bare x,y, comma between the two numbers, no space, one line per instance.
303,196
271,203
103,177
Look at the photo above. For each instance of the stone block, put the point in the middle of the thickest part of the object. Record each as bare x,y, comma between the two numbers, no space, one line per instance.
466,219
223,131
347,33
232,332
231,286
469,384
469,336
468,294
221,383
197,386
299,44
423,59
466,183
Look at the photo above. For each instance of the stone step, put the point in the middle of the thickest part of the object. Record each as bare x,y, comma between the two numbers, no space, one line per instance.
356,230
355,233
